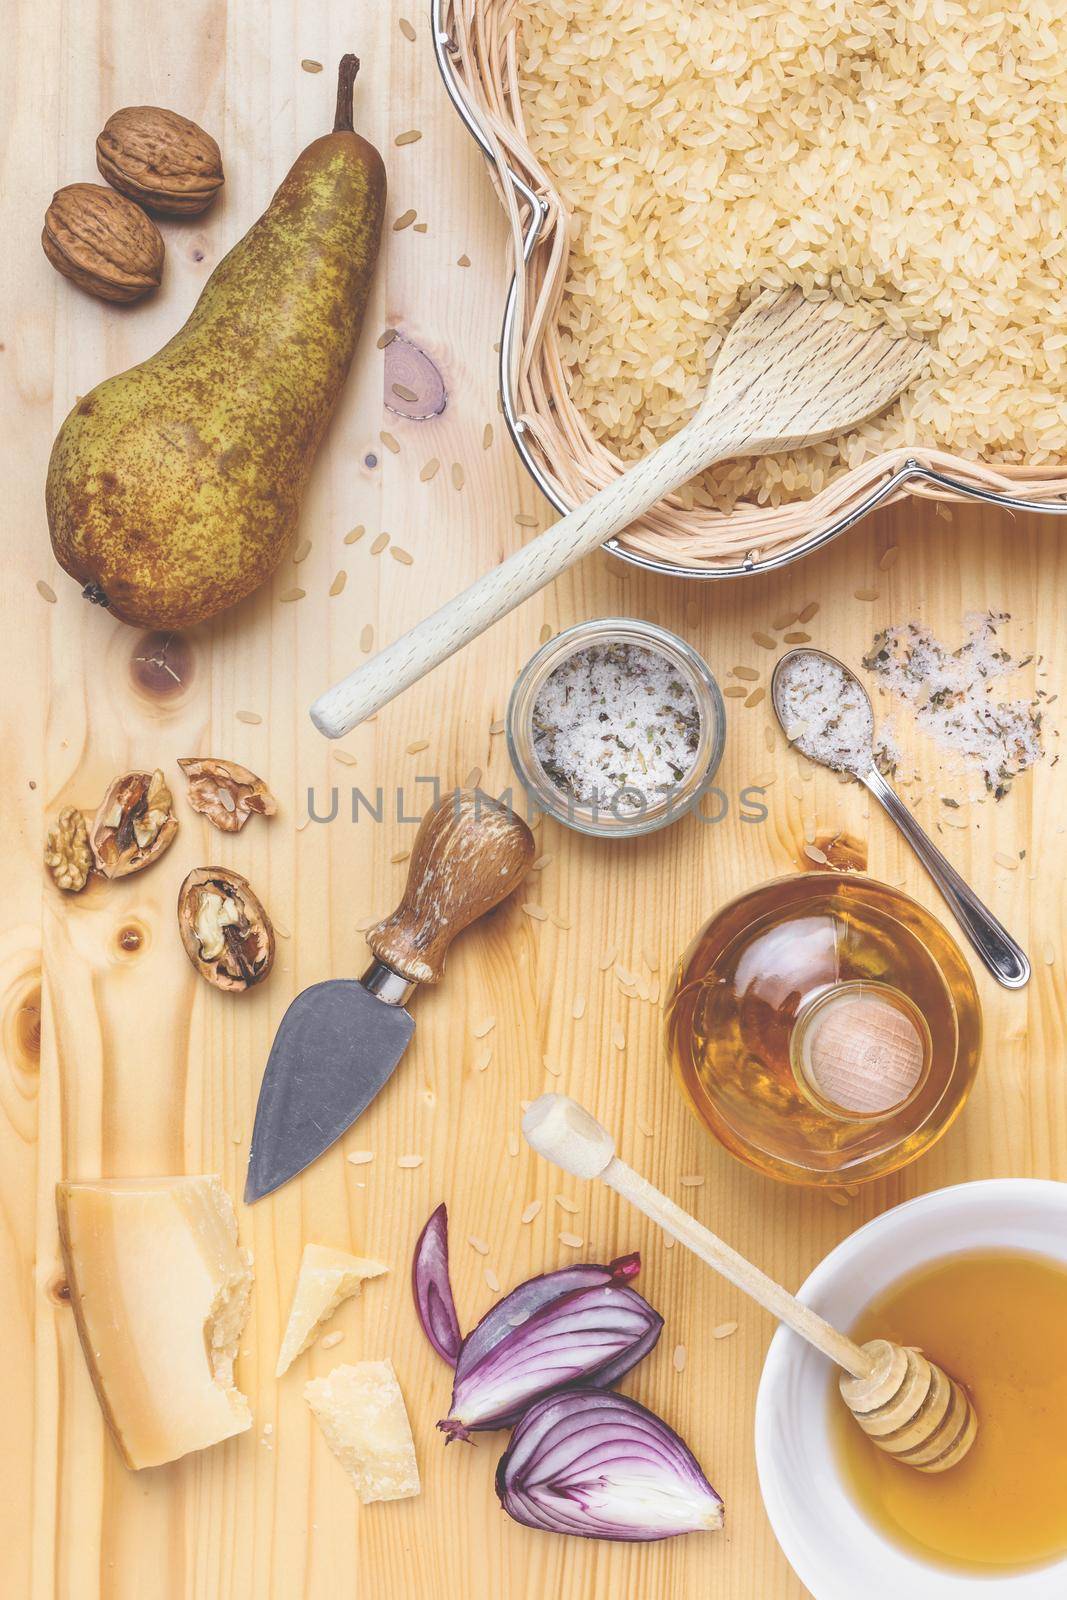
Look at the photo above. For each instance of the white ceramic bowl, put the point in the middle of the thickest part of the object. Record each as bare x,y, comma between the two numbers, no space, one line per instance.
830,1545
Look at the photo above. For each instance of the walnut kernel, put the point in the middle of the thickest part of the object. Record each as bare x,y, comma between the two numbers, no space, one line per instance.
66,853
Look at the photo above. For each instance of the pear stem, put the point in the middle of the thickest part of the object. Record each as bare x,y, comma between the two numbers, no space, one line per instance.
346,78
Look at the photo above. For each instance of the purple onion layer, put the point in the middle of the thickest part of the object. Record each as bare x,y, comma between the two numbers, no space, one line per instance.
600,1466
432,1288
583,1325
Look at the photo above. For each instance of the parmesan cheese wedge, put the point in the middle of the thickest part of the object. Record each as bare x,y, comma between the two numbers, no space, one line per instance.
326,1279
159,1288
361,1412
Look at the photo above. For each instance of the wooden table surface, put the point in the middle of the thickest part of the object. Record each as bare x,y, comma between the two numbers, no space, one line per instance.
120,1061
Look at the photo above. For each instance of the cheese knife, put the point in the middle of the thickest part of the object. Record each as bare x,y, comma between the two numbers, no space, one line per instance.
340,1041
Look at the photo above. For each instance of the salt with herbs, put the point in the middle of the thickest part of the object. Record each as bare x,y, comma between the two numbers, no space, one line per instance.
951,694
825,712
617,725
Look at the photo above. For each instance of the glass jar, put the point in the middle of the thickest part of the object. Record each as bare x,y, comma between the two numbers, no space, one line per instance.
608,821
826,1028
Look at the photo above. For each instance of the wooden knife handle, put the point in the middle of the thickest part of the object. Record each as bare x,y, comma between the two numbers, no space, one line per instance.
470,853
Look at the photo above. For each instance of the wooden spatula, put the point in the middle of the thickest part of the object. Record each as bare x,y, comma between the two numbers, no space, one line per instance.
905,1404
791,371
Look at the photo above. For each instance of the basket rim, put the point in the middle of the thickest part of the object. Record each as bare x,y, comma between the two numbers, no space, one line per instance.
474,44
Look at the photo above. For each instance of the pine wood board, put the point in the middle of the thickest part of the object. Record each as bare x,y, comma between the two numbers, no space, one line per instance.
122,1062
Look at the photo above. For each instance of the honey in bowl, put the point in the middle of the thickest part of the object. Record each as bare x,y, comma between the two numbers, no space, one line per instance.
994,1320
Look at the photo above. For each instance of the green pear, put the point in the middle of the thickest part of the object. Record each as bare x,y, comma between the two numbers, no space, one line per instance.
174,488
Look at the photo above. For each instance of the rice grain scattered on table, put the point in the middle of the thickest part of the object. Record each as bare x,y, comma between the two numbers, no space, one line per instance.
909,160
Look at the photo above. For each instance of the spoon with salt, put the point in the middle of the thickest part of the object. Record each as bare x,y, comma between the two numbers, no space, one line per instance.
826,714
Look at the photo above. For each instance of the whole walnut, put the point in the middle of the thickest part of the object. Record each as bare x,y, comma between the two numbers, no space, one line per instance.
103,242
160,159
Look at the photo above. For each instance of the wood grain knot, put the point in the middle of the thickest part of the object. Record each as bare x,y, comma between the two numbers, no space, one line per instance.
130,938
57,1290
162,665
834,852
22,1023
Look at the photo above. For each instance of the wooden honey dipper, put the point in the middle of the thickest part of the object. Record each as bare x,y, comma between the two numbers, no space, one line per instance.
906,1404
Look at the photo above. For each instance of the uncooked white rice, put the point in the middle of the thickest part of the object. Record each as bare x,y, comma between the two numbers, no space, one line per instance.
909,155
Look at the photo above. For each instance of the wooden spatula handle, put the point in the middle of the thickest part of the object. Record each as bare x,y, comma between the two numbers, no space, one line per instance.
469,854
499,591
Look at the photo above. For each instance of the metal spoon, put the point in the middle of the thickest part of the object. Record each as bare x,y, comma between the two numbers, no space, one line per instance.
999,951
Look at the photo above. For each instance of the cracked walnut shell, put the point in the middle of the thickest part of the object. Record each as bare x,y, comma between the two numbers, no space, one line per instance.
66,853
103,242
225,929
160,159
226,793
134,825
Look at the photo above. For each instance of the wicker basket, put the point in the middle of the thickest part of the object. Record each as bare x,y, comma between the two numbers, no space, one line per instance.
475,42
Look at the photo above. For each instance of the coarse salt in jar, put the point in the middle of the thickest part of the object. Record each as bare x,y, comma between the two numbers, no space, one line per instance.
616,727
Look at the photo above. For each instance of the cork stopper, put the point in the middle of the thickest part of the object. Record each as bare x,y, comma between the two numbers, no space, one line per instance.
861,1050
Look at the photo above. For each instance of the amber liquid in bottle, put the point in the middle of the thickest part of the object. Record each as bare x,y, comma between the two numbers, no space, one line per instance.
825,1027
994,1319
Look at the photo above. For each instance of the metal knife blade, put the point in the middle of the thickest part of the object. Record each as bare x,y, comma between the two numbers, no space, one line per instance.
338,1044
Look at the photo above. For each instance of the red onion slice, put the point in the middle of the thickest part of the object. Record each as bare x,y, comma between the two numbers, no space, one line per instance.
432,1288
414,386
583,1336
518,1306
600,1466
